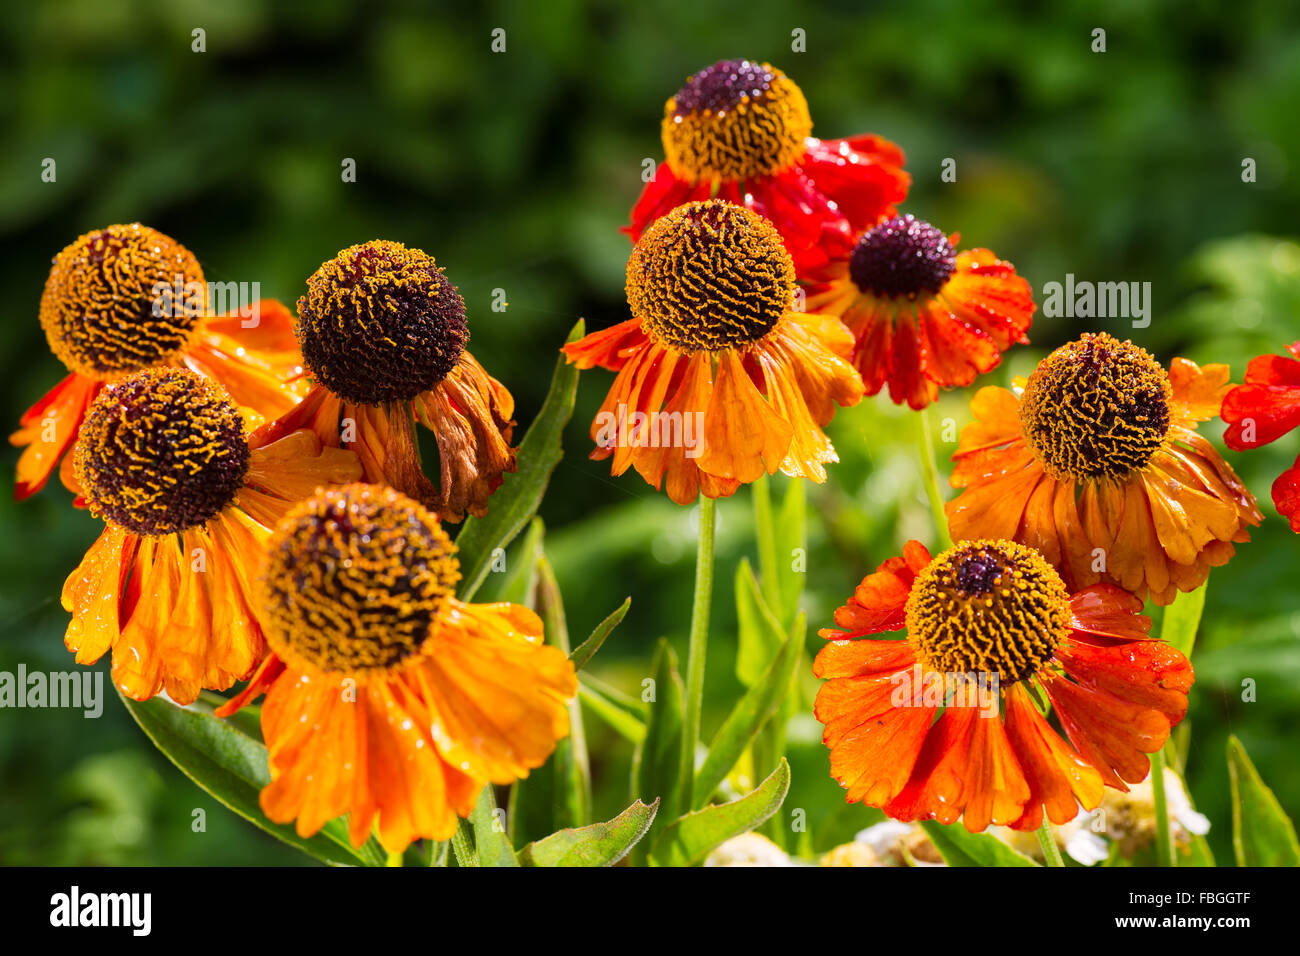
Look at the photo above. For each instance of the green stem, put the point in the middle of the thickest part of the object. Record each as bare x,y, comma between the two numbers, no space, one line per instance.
765,531
696,652
462,844
1164,838
394,859
930,474
1047,840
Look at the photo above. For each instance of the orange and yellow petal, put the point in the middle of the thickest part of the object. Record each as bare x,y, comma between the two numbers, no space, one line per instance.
496,695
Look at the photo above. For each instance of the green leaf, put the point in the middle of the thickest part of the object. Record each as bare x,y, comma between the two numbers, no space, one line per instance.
657,763
1183,618
791,534
572,767
759,705
491,844
618,715
588,648
518,582
601,844
516,501
689,839
759,633
232,767
1262,833
960,847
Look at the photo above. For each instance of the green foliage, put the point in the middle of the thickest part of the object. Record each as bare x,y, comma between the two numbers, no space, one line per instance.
1262,833
232,767
688,839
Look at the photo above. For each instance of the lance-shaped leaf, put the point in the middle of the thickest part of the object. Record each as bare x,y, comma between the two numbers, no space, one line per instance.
689,839
759,632
516,501
959,847
658,760
518,582
588,648
491,843
1262,833
232,767
760,703
1183,618
600,844
628,721
791,549
572,768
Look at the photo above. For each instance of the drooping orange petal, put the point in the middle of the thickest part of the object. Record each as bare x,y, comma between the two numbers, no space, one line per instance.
469,414
744,435
1059,779
93,593
875,727
1112,734
497,695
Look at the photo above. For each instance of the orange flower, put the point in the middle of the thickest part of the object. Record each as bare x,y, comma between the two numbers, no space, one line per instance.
741,131
923,316
992,635
383,334
1096,462
1263,409
104,318
718,381
187,501
385,695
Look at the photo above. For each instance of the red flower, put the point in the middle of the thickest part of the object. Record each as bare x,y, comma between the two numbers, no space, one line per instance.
923,316
994,610
1263,409
740,131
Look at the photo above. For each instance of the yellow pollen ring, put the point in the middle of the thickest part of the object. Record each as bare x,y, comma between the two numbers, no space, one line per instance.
121,299
709,276
355,582
757,136
987,607
161,451
1096,408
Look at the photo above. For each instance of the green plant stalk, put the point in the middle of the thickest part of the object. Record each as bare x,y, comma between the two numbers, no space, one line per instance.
1181,621
697,648
1164,835
1047,840
462,844
765,532
930,475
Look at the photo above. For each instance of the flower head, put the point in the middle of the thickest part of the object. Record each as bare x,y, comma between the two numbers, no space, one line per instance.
126,298
354,581
741,130
380,322
1261,410
719,381
923,315
992,636
735,120
383,332
98,308
161,452
164,459
386,696
1096,462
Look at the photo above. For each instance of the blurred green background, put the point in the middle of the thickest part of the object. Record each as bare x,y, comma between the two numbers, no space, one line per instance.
516,169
